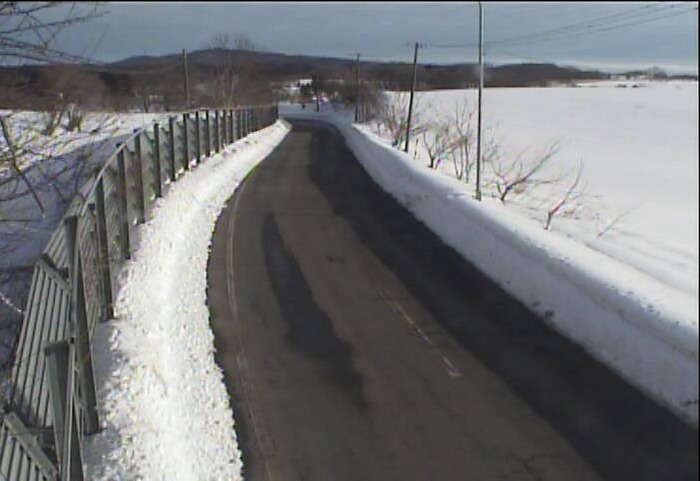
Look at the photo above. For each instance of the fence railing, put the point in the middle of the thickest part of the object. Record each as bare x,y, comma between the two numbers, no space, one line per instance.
52,401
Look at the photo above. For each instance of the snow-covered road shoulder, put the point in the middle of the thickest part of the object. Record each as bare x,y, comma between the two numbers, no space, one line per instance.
163,404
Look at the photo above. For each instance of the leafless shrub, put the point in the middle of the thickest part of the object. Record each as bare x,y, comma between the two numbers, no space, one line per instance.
567,204
75,119
610,225
437,144
462,140
514,176
394,117
9,156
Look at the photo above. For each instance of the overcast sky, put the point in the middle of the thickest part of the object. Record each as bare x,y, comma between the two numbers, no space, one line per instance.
587,33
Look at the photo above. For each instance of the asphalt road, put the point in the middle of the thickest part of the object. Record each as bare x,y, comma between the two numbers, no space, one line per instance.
356,346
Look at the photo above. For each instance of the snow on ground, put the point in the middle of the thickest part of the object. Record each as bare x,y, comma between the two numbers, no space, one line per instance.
35,147
57,165
638,142
644,328
162,399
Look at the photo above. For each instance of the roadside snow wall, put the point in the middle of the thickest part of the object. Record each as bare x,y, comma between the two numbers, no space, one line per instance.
162,398
630,322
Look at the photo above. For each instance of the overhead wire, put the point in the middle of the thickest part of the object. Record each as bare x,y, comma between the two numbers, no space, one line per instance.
618,20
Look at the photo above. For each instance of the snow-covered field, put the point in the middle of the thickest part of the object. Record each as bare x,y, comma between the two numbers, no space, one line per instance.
638,144
57,165
161,396
642,322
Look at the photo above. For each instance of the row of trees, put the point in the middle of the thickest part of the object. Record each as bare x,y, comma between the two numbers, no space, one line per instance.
449,137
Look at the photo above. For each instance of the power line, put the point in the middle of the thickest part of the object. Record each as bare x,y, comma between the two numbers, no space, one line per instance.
575,28
601,24
643,10
607,28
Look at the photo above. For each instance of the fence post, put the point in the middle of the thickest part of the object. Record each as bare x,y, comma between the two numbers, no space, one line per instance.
231,123
156,159
224,128
58,358
217,132
237,114
80,331
141,198
103,248
171,148
207,132
198,136
123,205
186,138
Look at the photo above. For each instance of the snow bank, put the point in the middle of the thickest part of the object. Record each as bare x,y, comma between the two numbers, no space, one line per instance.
639,149
635,324
162,399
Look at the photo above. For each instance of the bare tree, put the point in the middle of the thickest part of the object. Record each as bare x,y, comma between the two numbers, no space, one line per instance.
437,144
393,117
28,30
568,203
27,36
230,74
9,156
610,225
514,176
462,140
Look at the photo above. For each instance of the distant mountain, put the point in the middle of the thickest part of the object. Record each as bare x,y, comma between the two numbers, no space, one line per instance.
279,66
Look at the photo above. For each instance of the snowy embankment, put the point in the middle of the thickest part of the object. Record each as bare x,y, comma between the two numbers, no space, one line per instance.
638,144
162,400
635,324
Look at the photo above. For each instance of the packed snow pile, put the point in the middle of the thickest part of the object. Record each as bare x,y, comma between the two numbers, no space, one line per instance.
162,399
643,328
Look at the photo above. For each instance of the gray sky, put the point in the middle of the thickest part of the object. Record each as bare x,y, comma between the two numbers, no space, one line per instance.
382,30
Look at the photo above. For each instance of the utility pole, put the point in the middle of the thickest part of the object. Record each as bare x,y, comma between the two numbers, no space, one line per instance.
357,89
187,79
481,88
410,101
318,89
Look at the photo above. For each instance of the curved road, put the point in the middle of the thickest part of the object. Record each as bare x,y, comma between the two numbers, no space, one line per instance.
356,346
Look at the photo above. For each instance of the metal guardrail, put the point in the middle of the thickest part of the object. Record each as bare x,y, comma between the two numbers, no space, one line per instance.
52,401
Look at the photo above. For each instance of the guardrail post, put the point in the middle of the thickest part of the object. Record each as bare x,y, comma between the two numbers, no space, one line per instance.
123,205
217,132
80,331
198,136
156,159
231,123
59,359
103,249
186,138
237,114
207,132
171,147
226,127
223,128
140,196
